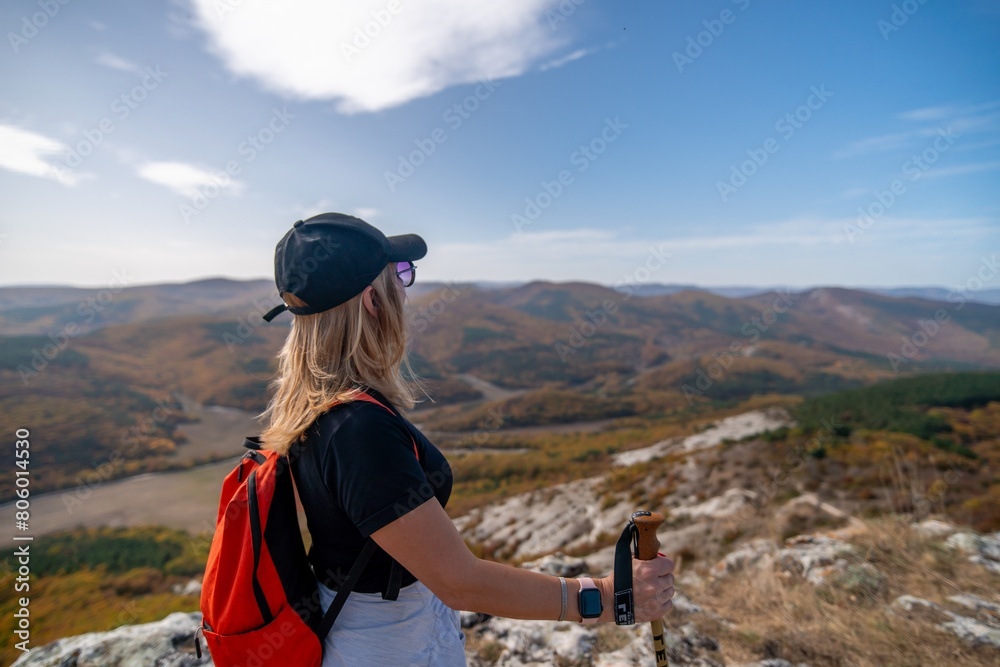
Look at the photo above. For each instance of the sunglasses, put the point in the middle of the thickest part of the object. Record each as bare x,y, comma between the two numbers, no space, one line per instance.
407,272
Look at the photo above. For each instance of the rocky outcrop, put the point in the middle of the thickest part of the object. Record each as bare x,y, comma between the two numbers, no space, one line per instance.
728,504
757,553
981,629
560,517
934,528
812,557
540,525
982,549
578,514
509,643
730,428
192,587
558,565
165,643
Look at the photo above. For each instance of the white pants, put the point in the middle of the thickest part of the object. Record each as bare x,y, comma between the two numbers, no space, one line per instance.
416,630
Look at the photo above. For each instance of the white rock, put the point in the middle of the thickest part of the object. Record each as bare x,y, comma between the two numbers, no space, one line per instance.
559,517
165,643
935,528
540,641
690,579
736,427
558,565
973,631
728,504
814,557
684,605
984,549
637,652
192,587
909,603
975,603
471,619
759,553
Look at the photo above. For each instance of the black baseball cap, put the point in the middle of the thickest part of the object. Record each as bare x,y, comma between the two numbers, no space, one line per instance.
330,258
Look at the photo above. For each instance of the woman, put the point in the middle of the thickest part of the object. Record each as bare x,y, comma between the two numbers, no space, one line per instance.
362,470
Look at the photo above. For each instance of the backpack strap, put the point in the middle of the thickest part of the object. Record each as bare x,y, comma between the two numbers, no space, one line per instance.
352,580
368,398
395,581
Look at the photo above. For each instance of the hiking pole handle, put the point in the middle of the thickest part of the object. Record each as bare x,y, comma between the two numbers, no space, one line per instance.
647,548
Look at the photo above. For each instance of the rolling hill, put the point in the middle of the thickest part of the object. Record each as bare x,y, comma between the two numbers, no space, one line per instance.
114,389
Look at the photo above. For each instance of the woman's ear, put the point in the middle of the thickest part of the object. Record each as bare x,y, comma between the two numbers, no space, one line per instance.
370,299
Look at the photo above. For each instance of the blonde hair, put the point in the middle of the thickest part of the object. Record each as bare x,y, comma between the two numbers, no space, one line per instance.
330,356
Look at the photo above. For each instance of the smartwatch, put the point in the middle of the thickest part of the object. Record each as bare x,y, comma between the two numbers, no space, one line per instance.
591,605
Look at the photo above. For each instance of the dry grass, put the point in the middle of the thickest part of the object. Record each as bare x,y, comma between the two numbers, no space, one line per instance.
773,615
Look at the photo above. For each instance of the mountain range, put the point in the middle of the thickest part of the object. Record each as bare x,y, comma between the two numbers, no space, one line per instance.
99,371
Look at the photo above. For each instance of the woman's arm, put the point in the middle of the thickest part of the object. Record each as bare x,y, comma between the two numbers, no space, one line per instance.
426,542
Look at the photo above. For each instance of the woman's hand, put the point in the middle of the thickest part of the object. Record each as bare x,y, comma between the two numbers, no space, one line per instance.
652,589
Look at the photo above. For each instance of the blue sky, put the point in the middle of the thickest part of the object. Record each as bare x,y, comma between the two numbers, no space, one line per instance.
722,142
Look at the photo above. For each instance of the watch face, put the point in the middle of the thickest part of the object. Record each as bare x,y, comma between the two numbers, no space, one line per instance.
590,603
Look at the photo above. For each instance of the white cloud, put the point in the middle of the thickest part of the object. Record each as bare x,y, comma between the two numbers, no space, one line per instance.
564,60
962,169
601,256
304,212
24,152
188,180
108,59
769,253
879,144
366,58
800,251
533,238
365,213
948,111
928,113
956,119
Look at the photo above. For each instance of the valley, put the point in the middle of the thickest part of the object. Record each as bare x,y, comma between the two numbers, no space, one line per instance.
795,459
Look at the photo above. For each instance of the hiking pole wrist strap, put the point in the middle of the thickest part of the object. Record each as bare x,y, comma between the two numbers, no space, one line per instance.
624,602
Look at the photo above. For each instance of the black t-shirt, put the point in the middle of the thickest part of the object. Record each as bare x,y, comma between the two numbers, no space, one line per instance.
357,472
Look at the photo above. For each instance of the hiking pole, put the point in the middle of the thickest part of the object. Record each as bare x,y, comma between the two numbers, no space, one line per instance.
647,547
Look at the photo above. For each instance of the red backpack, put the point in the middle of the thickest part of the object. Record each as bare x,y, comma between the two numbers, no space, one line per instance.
259,599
